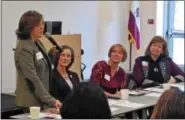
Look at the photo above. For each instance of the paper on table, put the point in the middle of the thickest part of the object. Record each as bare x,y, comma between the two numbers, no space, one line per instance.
43,115
155,90
181,87
112,102
113,109
140,92
133,92
129,104
153,94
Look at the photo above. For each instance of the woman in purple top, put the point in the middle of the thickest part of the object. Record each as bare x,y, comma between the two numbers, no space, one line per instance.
108,74
156,65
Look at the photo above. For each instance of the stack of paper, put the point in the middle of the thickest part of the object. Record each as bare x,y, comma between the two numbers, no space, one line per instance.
48,115
181,87
125,103
159,90
113,109
112,102
153,94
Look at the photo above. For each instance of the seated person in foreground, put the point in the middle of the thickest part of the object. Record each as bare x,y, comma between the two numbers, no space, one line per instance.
108,74
86,101
156,65
171,105
63,79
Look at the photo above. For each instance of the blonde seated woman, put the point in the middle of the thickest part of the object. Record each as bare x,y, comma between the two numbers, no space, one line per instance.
108,74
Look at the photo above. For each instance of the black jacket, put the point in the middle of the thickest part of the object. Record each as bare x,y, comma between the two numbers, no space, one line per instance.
59,87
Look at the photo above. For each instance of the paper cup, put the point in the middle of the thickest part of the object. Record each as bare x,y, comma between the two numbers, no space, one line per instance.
166,86
34,112
124,94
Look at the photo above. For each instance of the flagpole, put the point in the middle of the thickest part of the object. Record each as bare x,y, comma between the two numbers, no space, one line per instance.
130,57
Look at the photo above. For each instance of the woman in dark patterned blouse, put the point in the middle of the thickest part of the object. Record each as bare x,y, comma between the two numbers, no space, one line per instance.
156,65
108,74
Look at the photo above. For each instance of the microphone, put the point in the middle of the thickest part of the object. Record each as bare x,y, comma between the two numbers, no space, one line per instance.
82,51
48,36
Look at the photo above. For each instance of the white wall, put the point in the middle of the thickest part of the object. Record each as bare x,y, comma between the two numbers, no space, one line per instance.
159,18
0,44
101,23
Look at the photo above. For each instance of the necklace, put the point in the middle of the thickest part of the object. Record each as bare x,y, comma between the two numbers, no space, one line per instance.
65,76
63,73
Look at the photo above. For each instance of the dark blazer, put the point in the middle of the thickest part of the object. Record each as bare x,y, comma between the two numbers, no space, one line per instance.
34,73
59,87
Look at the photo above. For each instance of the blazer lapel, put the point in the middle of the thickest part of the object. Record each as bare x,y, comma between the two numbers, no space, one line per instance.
46,58
43,50
71,77
59,77
145,67
164,70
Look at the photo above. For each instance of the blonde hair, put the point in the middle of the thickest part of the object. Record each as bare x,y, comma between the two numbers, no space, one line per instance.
122,48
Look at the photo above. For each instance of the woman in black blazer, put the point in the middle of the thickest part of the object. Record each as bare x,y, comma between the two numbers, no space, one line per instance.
63,80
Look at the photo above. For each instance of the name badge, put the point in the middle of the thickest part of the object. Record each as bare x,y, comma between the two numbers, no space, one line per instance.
71,76
52,66
39,55
145,64
107,77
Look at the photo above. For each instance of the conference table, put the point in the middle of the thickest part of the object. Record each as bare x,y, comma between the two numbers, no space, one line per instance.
134,104
139,103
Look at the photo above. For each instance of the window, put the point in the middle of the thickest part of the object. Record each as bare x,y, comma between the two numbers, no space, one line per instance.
174,30
179,16
178,50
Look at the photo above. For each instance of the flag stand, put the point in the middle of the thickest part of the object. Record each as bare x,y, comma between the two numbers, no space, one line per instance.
130,57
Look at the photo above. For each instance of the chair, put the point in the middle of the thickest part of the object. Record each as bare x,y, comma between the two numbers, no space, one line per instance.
9,107
131,84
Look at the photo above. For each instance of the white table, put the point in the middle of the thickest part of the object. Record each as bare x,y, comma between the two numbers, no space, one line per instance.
118,107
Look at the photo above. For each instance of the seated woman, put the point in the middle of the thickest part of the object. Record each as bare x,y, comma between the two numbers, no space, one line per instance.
86,101
63,80
108,74
156,65
171,105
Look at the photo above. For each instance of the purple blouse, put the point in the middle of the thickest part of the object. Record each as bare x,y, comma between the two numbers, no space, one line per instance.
101,74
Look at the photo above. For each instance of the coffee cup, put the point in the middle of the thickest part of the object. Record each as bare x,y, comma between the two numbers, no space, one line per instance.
34,112
124,94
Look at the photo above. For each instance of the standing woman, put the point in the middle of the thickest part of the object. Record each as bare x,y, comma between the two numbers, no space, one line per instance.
108,74
63,79
32,63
